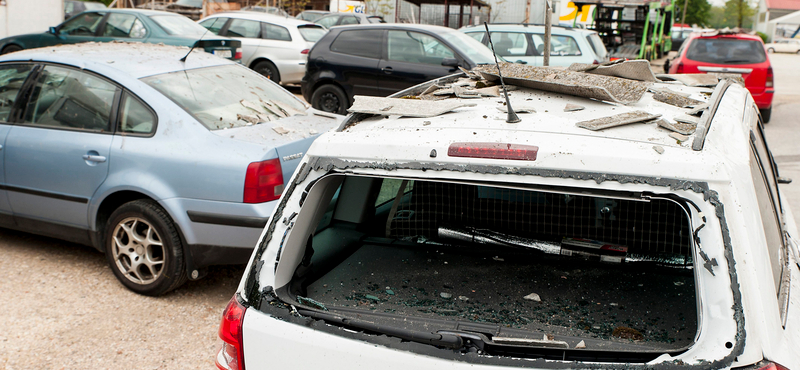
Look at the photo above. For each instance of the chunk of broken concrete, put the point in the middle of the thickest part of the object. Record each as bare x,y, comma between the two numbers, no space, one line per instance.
687,119
280,130
445,295
573,108
617,120
679,127
674,98
522,108
405,107
533,297
678,136
580,345
658,149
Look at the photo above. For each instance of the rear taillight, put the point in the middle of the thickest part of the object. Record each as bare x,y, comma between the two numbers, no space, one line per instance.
230,354
770,78
679,68
263,181
305,51
596,61
493,151
238,54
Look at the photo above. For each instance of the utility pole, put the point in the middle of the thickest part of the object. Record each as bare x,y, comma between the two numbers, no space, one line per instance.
548,12
683,18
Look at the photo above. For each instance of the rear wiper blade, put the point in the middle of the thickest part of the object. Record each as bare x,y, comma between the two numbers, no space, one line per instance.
446,340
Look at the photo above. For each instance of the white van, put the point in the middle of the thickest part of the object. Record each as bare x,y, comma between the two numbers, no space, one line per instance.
432,234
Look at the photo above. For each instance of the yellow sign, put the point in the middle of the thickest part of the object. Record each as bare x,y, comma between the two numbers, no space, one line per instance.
572,12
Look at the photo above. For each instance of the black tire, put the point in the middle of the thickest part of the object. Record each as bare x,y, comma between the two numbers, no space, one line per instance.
330,98
11,49
268,70
766,114
770,50
130,253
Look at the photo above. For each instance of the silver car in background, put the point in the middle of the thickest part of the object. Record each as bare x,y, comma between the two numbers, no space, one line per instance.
276,47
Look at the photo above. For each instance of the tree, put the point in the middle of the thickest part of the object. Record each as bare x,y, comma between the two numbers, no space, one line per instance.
697,12
740,12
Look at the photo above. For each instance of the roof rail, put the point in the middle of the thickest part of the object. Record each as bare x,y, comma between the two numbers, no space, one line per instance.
708,115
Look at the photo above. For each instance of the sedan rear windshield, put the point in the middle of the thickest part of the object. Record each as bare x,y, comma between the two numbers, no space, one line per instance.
312,32
726,51
612,271
226,96
178,25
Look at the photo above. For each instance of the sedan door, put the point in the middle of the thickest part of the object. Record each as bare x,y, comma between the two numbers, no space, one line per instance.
57,156
412,58
12,80
82,28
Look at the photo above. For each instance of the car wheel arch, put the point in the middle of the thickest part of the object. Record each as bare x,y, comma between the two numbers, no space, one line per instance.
10,45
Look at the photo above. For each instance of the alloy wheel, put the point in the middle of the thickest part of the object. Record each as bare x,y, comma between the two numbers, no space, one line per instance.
138,250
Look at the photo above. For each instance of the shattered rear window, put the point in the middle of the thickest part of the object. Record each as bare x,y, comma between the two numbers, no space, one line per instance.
226,96
566,269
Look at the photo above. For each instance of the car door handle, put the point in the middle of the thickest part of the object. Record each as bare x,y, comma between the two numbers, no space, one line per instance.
387,70
94,158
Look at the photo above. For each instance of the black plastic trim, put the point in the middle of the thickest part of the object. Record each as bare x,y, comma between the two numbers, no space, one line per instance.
227,220
47,194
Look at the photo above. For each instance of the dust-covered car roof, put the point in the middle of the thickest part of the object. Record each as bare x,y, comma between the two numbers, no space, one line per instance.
135,59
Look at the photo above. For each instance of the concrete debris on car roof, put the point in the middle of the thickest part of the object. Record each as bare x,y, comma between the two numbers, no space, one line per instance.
573,107
617,120
679,127
675,98
679,137
599,87
697,111
630,69
519,108
404,107
692,79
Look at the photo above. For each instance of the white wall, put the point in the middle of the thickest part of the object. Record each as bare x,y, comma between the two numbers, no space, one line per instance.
29,16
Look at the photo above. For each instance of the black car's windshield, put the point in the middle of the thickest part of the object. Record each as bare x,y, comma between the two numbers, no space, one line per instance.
178,25
726,51
226,96
469,47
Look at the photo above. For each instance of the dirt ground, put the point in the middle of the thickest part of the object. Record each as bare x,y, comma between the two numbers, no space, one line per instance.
63,309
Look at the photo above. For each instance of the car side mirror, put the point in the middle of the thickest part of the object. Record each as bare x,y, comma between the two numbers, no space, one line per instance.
784,180
53,30
450,62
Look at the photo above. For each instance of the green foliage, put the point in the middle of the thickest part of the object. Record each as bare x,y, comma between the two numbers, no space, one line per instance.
107,2
763,36
740,12
697,12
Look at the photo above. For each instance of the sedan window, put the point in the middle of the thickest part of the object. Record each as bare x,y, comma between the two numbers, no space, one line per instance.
244,28
135,117
510,43
328,22
311,33
11,79
83,25
349,20
68,98
226,96
559,45
123,25
366,43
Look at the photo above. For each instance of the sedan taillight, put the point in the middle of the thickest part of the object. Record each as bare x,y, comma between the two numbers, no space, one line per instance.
238,54
770,78
263,181
230,354
305,51
679,68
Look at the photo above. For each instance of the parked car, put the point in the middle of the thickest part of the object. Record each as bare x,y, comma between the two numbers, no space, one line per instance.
381,59
340,19
312,15
679,33
524,43
166,166
784,46
127,25
735,53
462,241
72,7
190,8
275,46
266,9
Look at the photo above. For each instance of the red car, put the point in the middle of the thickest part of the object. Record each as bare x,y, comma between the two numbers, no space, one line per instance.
730,53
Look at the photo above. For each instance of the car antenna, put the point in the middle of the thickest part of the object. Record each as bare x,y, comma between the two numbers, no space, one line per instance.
512,116
195,45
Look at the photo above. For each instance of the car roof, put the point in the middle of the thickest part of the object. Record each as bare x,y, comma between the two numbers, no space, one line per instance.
641,149
146,12
262,17
134,59
717,34
525,27
395,26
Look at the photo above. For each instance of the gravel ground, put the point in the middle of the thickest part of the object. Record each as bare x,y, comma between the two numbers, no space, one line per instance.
63,309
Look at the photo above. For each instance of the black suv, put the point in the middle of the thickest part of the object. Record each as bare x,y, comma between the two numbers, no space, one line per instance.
382,59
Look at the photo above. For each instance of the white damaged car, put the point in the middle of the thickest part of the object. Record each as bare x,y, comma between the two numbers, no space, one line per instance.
643,231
